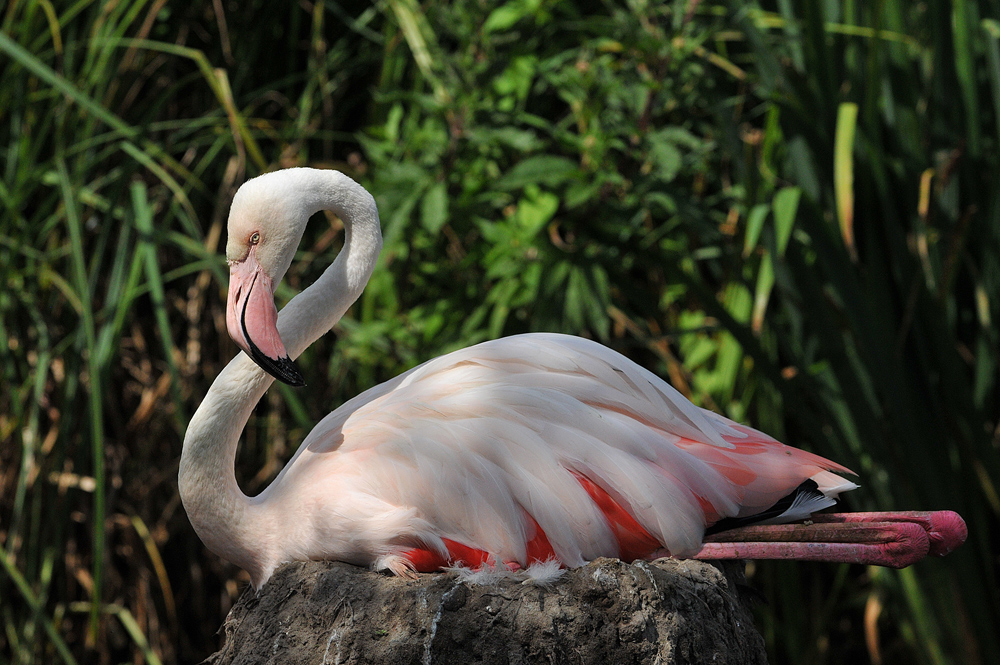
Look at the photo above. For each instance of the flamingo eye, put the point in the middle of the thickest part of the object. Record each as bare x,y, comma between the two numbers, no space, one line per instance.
255,238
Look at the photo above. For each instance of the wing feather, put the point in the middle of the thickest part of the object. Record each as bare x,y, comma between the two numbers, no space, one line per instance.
479,442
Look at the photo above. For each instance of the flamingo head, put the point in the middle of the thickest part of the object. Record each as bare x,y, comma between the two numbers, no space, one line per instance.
265,225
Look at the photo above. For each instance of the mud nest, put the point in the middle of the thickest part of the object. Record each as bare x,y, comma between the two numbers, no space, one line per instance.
607,612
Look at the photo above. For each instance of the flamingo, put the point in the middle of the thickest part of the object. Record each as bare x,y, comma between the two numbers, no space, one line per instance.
525,449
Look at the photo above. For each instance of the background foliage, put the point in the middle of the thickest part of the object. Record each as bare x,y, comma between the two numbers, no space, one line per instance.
787,208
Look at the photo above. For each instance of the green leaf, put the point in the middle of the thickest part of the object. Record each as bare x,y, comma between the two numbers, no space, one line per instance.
991,29
504,17
516,79
597,302
577,294
762,292
501,296
755,224
786,204
664,155
843,171
967,69
521,140
434,207
583,191
534,212
550,170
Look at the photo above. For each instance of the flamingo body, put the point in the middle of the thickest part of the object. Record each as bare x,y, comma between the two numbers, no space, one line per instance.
516,450
526,448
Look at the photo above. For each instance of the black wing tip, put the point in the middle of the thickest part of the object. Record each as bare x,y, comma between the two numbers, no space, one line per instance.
725,524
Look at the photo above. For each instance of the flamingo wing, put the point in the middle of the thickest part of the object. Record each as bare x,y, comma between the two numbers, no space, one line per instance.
546,445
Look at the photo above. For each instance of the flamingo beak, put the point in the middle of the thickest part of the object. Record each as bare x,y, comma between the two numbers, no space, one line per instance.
252,320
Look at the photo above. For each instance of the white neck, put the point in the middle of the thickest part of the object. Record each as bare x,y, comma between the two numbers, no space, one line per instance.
224,518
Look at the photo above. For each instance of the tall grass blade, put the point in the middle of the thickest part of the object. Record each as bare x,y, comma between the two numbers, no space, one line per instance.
963,31
132,627
412,22
147,246
93,386
22,57
991,31
843,172
10,567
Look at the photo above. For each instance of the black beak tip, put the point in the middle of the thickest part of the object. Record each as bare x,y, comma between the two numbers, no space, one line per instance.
289,373
283,369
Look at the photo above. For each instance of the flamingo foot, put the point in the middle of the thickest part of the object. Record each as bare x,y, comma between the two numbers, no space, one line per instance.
945,529
894,540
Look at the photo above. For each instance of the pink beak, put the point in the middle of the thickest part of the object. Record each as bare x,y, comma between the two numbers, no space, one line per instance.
252,320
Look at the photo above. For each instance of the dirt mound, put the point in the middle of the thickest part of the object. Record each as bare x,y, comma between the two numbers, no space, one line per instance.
605,613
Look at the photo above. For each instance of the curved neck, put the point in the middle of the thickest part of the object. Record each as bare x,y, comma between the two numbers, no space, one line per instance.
220,513
312,313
